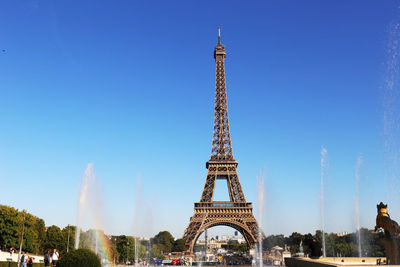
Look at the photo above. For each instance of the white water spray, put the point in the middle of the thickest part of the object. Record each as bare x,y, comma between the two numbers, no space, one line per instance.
138,204
324,167
136,252
357,203
90,215
96,237
87,181
260,208
391,112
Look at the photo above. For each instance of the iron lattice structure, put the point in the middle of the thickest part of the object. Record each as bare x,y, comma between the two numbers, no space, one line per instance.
235,213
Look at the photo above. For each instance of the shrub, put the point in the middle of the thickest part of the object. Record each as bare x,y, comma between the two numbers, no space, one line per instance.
80,258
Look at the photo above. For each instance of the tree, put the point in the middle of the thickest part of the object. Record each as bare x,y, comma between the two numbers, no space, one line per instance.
114,252
272,241
11,225
294,242
179,245
307,241
165,241
330,244
130,248
157,251
235,246
68,231
40,229
54,239
122,248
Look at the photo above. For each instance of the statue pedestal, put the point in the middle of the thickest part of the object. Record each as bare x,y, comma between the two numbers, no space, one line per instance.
391,245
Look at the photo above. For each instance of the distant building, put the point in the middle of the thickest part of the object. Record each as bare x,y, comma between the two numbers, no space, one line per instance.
342,234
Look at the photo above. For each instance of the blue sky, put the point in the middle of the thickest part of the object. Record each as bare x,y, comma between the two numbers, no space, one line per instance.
129,86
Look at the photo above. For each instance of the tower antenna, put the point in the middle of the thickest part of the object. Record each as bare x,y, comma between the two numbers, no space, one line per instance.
219,35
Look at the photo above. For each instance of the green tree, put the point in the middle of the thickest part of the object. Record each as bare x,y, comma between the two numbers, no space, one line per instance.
68,231
165,240
272,241
131,248
307,241
330,244
179,245
235,246
294,242
54,239
141,251
122,248
157,251
344,249
40,229
11,225
114,252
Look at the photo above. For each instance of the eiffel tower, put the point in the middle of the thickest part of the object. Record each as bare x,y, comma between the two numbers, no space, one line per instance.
236,213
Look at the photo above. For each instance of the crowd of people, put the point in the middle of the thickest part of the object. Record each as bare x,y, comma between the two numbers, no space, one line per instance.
50,259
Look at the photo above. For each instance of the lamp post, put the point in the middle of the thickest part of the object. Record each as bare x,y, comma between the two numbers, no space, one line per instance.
22,238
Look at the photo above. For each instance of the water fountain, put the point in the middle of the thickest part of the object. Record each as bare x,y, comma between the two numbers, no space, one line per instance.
87,182
89,215
391,113
324,167
136,252
357,204
260,208
138,205
301,248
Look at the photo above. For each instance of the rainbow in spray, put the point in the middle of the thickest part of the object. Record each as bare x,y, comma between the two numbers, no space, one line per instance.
103,248
90,216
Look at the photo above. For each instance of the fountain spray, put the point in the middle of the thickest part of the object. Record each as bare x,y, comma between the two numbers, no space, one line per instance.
357,203
90,215
324,166
87,181
138,204
136,252
391,110
260,206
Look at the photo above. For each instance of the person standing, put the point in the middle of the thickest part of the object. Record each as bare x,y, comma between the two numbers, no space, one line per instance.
24,259
29,262
47,258
12,251
54,258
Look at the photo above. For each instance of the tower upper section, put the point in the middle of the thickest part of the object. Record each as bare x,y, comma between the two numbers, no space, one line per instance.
221,149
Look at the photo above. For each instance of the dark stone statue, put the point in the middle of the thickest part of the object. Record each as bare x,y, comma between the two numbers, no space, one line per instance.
391,240
383,221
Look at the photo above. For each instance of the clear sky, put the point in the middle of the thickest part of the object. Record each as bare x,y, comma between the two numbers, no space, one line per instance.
129,86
